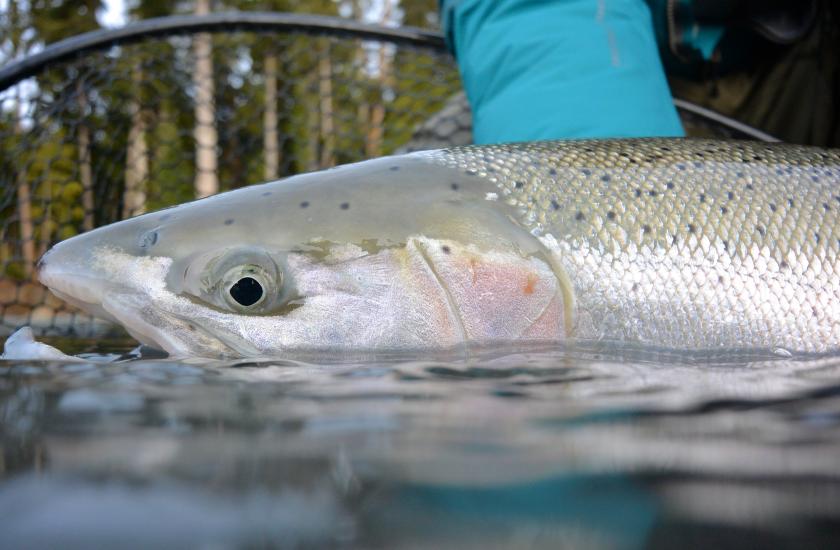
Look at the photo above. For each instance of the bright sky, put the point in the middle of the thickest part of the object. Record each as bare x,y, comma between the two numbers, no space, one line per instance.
113,14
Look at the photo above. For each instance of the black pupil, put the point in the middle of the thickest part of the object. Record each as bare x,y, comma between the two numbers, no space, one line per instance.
246,291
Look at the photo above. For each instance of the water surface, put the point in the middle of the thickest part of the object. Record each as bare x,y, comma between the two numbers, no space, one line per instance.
531,447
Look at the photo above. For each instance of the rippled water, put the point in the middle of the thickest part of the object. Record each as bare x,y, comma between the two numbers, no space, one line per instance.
505,448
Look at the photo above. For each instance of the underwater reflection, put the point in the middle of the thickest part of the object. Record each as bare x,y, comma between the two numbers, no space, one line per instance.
580,446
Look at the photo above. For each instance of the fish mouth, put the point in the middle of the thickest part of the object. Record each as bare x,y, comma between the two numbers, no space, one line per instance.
82,290
65,274
72,275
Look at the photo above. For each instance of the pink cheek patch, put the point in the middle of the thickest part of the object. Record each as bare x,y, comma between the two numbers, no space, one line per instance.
498,295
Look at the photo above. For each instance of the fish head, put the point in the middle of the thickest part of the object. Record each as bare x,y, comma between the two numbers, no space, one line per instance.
392,253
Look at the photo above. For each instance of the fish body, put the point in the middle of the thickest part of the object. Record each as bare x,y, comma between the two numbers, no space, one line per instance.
685,244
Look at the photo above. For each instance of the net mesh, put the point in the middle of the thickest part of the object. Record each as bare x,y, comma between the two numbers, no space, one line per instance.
134,128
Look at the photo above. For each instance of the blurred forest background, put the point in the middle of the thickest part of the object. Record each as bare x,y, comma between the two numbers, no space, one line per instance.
138,127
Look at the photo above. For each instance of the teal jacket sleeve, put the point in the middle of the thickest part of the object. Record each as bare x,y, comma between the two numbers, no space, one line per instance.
538,69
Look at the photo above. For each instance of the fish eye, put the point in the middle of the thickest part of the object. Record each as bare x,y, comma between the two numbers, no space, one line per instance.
245,288
244,279
247,291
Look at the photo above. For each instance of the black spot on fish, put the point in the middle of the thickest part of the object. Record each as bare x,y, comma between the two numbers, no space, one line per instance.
635,287
394,168
698,164
519,185
610,215
730,195
304,204
453,186
267,193
724,210
750,186
772,207
757,157
652,192
720,279
702,197
665,148
344,205
760,230
586,172
579,216
739,174
790,203
229,221
555,205
445,249
670,185
624,154
815,178
783,264
817,237
691,228
645,228
605,178
680,166
637,192
826,206
725,245
814,311
552,172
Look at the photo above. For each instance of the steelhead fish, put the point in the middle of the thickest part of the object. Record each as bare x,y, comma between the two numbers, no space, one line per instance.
686,244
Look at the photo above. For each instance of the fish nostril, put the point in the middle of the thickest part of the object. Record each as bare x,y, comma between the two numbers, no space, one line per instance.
148,239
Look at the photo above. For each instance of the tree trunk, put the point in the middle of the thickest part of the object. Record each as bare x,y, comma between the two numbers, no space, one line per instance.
376,129
85,170
327,129
271,146
206,138
312,124
24,196
137,153
24,208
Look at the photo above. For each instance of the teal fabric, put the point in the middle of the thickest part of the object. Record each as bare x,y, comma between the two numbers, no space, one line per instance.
542,69
704,39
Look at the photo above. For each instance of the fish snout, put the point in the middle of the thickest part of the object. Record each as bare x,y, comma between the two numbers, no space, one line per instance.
67,271
42,261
